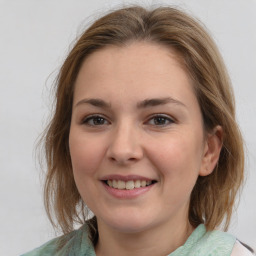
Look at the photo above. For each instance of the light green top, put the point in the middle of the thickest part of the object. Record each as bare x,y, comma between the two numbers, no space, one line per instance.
200,243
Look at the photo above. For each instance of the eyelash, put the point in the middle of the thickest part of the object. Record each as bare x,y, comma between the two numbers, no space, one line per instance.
163,118
160,117
94,118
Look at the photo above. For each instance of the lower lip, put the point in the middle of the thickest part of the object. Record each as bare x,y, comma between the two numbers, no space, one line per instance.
127,193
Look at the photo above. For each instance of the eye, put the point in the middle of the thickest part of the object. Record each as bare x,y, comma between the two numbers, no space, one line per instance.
95,120
160,120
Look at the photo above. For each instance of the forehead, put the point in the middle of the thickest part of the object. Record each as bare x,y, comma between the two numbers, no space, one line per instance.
133,54
140,68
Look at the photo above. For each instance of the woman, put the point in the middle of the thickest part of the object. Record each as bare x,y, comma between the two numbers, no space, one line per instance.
143,134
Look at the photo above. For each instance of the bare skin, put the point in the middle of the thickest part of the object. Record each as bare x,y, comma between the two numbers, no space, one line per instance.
135,114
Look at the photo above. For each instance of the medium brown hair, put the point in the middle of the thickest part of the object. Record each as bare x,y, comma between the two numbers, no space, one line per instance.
213,196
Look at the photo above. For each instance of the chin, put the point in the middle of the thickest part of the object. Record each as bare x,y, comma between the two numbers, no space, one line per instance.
129,223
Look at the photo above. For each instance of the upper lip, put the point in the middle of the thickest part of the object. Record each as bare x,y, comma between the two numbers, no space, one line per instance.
125,177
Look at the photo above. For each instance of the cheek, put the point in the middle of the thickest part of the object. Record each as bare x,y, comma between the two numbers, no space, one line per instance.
178,156
86,154
86,157
177,161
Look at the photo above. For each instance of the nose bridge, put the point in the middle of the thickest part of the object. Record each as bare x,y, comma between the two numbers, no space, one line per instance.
125,143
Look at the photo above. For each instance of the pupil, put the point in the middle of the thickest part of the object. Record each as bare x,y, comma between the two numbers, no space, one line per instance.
98,120
160,120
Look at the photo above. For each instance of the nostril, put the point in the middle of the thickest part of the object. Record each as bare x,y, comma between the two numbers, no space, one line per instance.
132,159
123,160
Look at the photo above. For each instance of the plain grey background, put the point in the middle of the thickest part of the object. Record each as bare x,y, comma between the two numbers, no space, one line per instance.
35,37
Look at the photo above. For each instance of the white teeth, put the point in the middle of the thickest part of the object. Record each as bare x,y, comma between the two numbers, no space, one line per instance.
121,184
137,184
114,184
143,183
130,184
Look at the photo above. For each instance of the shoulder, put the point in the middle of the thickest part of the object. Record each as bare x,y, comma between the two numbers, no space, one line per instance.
214,243
222,244
218,242
46,249
240,250
74,243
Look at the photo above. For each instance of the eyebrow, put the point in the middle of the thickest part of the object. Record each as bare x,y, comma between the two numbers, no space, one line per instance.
95,102
143,104
158,101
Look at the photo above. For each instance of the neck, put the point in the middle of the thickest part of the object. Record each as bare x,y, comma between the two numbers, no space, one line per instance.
160,240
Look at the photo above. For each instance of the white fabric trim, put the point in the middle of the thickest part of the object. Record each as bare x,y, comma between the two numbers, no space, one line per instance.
240,250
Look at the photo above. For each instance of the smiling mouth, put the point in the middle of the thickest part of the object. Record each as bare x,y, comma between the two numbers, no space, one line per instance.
130,184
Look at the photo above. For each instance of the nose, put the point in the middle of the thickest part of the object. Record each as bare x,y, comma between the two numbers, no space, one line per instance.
124,147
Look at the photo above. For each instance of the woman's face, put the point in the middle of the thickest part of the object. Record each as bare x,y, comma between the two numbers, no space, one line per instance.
136,138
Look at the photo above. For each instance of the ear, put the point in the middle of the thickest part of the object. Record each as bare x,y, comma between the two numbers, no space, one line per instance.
212,149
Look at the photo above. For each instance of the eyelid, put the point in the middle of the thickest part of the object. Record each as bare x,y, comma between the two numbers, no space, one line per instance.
91,116
168,117
87,118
